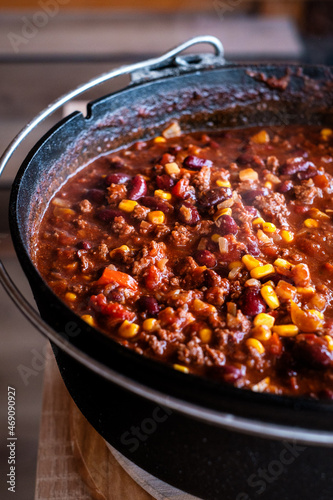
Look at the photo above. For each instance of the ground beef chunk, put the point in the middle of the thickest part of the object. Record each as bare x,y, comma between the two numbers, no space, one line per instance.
121,227
307,192
181,236
140,212
161,230
239,322
85,263
201,180
116,193
216,296
149,255
85,206
273,207
191,353
273,164
157,346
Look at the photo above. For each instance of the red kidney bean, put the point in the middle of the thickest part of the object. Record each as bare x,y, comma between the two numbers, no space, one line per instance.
250,159
166,158
96,195
149,305
285,186
205,258
252,302
231,373
326,394
108,214
249,196
226,225
214,196
252,210
253,248
164,182
195,163
156,204
311,352
295,165
190,215
307,174
138,188
84,245
117,178
174,150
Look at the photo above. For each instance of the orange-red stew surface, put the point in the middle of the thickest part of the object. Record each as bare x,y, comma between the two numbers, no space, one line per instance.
211,252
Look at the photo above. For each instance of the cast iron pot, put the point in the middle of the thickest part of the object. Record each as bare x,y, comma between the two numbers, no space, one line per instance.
208,439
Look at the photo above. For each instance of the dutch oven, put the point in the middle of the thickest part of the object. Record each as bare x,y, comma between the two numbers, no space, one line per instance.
206,438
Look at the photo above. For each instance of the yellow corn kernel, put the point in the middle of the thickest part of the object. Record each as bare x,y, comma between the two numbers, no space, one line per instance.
127,205
270,283
235,263
122,248
127,330
326,133
205,335
282,263
257,221
269,296
262,385
224,184
150,324
222,211
250,262
63,212
199,305
88,319
215,237
72,266
162,194
156,217
287,236
256,344
286,330
71,297
329,341
268,185
181,368
319,314
318,214
262,332
306,291
232,308
159,139
262,271
171,168
263,319
311,223
248,174
269,227
261,137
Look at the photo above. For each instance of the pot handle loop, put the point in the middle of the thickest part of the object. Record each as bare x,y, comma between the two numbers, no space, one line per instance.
173,63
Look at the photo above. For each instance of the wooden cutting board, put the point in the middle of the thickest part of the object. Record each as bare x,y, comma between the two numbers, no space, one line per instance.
74,461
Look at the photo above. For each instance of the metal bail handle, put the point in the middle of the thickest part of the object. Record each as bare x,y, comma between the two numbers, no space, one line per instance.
172,62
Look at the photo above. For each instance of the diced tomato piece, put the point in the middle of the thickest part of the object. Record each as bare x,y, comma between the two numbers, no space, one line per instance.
153,278
98,302
122,279
180,188
274,345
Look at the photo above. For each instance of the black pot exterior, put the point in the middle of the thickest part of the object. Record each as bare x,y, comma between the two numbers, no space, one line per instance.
206,460
209,462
